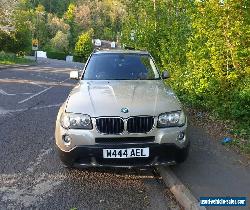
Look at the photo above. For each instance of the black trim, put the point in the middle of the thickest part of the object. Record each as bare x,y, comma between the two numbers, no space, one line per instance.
146,139
140,124
110,125
92,155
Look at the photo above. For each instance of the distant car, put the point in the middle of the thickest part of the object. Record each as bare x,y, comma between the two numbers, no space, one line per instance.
121,115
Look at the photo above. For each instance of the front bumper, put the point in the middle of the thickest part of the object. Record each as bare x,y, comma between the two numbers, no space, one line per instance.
92,155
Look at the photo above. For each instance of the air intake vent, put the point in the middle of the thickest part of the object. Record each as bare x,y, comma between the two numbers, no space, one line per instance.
110,125
140,124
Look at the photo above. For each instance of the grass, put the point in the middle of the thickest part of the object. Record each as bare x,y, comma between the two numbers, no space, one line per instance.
241,141
10,58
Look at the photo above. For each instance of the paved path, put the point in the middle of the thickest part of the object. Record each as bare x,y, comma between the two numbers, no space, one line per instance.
211,170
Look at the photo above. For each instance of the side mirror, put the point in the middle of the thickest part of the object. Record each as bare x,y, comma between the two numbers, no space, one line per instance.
74,75
165,75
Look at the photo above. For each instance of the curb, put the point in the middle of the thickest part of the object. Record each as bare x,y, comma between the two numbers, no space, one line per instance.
181,193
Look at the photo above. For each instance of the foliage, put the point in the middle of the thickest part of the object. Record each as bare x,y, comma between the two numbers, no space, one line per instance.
40,29
43,19
162,28
57,7
83,16
84,46
11,58
6,41
56,24
77,58
205,46
60,42
19,37
218,59
6,10
56,55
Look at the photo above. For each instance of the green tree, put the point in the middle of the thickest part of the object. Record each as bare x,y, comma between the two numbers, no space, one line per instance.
69,18
6,10
40,30
84,46
57,7
22,35
162,27
56,24
7,31
218,56
60,42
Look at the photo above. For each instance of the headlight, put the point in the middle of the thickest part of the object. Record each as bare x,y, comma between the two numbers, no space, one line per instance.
76,121
171,119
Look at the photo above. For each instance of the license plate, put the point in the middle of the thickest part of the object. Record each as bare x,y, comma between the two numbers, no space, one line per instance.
126,153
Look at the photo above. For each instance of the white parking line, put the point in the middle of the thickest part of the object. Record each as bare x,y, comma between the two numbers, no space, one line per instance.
21,190
39,93
4,111
12,94
45,77
17,189
33,83
41,156
48,106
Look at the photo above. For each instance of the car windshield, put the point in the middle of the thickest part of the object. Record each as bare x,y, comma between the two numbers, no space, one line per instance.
120,66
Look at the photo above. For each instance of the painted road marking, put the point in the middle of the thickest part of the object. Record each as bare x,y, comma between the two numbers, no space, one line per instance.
4,111
12,94
20,189
48,106
45,77
28,193
40,157
39,93
22,81
33,83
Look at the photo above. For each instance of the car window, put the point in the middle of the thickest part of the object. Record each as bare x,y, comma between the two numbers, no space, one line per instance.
118,66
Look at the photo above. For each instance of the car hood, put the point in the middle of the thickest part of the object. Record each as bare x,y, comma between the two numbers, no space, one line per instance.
107,98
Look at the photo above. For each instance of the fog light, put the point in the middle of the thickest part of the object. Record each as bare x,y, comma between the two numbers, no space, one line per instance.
181,136
66,140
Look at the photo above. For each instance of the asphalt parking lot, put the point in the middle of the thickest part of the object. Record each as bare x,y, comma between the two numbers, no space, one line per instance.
31,175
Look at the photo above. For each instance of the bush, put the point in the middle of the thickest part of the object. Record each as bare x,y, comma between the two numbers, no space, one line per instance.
57,55
77,59
12,58
84,46
60,42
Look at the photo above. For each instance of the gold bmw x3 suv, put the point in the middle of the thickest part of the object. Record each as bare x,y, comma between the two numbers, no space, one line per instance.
121,114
